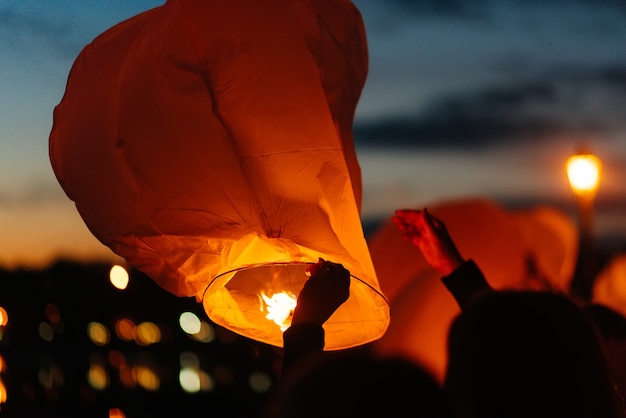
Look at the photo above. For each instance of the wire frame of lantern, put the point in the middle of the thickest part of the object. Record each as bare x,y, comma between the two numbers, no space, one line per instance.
262,298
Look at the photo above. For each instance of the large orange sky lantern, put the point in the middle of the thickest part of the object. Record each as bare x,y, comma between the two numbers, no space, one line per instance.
209,143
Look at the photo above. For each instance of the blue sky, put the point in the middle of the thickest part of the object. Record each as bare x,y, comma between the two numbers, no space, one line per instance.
463,98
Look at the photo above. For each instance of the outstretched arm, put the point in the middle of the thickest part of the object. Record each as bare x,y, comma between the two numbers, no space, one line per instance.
431,236
326,290
461,277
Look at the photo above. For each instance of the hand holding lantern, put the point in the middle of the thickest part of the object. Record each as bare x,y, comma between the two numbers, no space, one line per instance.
326,290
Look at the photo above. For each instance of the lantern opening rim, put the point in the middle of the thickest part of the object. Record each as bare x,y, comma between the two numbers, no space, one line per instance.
280,264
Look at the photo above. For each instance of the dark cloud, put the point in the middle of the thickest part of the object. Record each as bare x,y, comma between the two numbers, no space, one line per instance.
29,23
43,32
456,8
35,194
484,9
546,108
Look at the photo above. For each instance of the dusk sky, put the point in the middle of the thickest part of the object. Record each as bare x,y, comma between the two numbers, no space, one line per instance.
463,98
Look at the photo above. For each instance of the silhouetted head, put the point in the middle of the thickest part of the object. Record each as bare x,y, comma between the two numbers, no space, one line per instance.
527,354
612,327
360,385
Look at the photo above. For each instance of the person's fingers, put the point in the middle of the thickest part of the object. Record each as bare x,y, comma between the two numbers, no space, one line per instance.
407,215
406,212
316,267
435,223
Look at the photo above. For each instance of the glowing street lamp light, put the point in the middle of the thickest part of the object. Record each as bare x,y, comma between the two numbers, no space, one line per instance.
583,172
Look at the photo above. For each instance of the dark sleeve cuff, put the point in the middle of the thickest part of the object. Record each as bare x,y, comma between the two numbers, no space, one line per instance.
466,283
301,340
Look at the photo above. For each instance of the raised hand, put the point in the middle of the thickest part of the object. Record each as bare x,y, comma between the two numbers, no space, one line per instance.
431,236
326,290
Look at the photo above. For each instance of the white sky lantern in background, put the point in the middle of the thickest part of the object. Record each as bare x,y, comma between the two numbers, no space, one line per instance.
209,143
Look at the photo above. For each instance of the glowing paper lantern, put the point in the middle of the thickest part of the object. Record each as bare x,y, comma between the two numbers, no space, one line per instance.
609,287
500,241
209,143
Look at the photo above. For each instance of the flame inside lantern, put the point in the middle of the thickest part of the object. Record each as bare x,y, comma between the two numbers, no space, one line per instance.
279,308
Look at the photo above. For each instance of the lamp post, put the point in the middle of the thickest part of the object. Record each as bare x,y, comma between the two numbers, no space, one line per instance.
583,172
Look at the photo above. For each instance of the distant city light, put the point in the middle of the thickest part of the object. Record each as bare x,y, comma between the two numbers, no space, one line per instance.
97,377
51,376
190,323
3,392
3,389
118,277
125,329
147,378
147,333
46,332
4,317
127,377
98,333
260,382
117,359
116,413
189,360
52,313
206,333
193,381
189,380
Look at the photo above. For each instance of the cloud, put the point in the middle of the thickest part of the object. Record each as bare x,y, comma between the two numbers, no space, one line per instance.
36,194
564,101
486,9
25,32
15,22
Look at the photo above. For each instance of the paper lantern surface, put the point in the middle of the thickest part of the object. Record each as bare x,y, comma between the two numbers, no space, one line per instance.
201,139
609,286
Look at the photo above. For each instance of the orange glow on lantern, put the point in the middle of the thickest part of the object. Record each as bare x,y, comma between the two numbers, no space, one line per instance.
210,145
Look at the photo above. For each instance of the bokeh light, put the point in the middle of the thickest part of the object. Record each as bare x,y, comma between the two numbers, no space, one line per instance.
46,332
190,323
147,333
583,171
116,359
98,333
119,277
206,334
116,413
125,329
4,317
98,377
189,380
147,378
3,392
260,382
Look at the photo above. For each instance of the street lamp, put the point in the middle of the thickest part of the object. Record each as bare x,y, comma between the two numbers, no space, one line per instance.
583,172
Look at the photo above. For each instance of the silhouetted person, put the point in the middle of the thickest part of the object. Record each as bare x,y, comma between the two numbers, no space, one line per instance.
326,290
612,327
348,383
513,353
360,384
